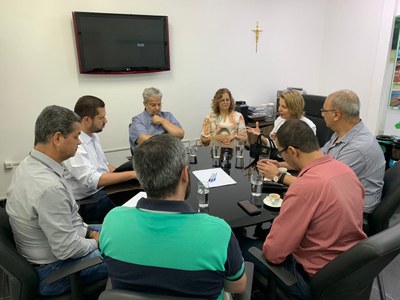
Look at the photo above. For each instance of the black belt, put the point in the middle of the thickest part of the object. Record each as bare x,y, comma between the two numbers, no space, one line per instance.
37,266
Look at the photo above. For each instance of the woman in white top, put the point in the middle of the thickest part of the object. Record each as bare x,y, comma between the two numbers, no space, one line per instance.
291,106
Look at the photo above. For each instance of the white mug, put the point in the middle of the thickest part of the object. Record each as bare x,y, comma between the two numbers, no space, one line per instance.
274,198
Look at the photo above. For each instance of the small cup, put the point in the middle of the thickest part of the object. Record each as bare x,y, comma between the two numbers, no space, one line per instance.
239,149
203,190
274,198
282,169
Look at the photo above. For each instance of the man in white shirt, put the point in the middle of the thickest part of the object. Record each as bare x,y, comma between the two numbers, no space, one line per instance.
89,170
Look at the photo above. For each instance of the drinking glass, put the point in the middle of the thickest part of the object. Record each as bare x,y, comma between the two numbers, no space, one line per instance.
263,157
216,150
193,152
239,149
256,180
202,194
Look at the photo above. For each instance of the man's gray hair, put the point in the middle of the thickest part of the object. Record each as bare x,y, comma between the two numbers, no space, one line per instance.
54,119
158,163
346,102
151,92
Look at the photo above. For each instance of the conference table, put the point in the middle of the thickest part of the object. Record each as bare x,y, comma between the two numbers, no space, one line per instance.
223,200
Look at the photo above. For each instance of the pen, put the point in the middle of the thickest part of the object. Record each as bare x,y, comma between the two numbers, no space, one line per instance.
215,177
211,178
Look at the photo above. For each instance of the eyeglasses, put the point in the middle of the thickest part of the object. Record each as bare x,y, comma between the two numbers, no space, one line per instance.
327,110
279,153
224,100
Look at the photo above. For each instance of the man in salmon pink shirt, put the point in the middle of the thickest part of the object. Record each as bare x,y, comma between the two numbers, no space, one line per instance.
321,214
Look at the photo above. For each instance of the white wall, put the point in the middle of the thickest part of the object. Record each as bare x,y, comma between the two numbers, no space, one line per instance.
212,46
356,51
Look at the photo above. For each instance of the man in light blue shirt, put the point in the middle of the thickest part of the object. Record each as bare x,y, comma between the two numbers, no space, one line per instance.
152,121
353,144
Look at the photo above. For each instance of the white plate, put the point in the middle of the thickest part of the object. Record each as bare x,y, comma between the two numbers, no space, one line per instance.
268,202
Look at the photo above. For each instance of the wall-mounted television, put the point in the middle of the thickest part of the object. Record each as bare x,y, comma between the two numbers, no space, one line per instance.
121,43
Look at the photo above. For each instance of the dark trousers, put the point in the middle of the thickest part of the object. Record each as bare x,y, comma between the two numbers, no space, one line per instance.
87,276
301,289
94,213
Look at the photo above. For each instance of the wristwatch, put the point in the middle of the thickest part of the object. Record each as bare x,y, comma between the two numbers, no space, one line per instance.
279,177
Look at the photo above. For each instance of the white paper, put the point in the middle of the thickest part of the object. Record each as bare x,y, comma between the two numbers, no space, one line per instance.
221,178
134,200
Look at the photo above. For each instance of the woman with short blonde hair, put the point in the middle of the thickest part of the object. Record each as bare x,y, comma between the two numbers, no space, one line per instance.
291,106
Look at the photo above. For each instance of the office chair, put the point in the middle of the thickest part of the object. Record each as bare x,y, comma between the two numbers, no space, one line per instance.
312,108
129,127
119,294
379,218
350,275
390,201
23,278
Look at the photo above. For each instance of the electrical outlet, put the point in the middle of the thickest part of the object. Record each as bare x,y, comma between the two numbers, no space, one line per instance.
10,164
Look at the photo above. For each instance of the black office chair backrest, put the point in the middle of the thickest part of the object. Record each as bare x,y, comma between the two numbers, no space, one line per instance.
390,201
117,294
23,279
312,108
351,274
129,129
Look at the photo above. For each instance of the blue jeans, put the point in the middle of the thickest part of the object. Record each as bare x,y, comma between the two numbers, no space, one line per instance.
63,285
301,289
94,213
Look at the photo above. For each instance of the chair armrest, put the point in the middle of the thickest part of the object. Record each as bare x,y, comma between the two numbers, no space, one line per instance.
73,268
88,201
279,271
249,270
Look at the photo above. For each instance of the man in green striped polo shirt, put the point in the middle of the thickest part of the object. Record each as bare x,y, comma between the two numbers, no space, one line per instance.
163,246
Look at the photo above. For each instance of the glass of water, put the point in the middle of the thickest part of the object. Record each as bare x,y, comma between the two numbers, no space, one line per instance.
216,151
239,149
203,190
193,152
256,180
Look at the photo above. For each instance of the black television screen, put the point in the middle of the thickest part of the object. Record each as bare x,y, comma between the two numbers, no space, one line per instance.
121,43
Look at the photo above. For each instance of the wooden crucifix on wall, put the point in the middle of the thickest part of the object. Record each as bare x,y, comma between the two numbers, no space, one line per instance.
257,32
